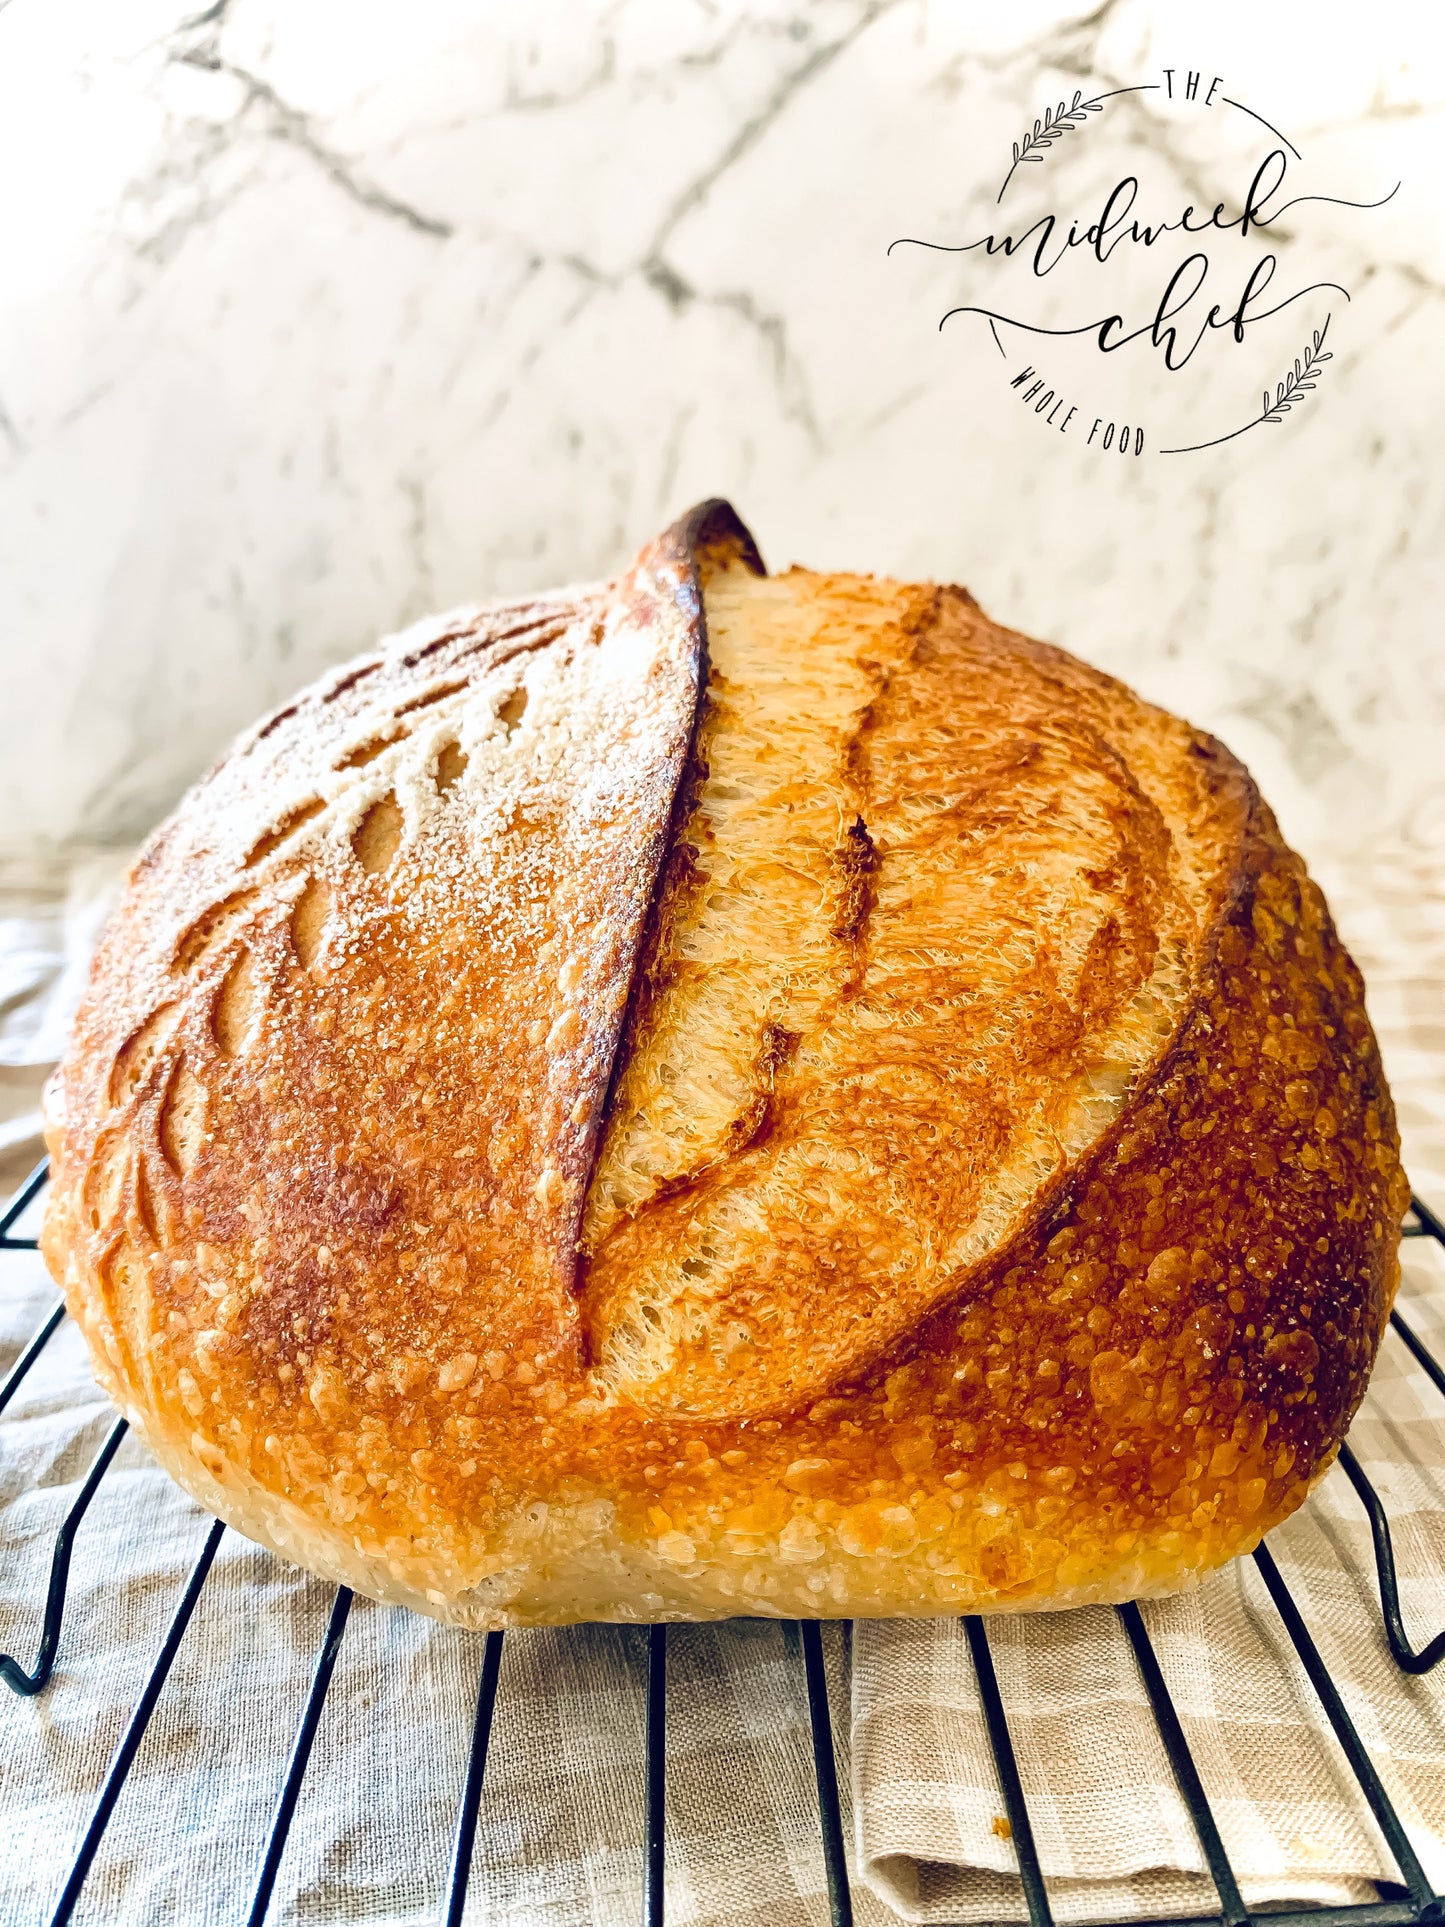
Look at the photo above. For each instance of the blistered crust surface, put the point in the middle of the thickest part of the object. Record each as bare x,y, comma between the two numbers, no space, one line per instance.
322,1140
935,910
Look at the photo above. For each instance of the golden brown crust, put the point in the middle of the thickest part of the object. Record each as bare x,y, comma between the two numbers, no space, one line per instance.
325,1132
828,1115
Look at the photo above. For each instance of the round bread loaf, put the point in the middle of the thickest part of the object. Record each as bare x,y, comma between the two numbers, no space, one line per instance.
720,1093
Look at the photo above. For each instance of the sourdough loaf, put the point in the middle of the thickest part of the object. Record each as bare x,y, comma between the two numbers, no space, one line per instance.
714,1093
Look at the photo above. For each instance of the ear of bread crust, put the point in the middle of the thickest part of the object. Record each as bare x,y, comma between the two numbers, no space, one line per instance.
935,910
713,537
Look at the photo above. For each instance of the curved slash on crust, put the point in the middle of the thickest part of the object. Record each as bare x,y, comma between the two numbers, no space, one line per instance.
681,560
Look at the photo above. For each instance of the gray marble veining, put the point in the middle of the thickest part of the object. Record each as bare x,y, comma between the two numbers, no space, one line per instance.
316,317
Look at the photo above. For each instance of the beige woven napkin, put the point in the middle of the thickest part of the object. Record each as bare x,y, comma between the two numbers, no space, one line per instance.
560,1833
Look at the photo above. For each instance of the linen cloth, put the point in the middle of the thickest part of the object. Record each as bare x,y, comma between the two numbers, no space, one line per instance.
559,1839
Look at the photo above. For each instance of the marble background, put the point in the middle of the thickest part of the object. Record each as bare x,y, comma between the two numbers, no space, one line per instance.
314,316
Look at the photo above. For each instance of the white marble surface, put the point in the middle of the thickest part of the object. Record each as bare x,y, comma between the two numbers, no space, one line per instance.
316,315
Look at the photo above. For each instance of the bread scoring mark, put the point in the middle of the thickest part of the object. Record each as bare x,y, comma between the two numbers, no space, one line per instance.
236,1014
748,1129
741,932
526,638
139,1052
293,821
123,1285
351,678
451,766
546,627
183,1119
275,722
431,697
371,749
679,876
378,836
211,930
855,868
309,916
855,863
147,1204
417,656
754,1122
552,624
106,1180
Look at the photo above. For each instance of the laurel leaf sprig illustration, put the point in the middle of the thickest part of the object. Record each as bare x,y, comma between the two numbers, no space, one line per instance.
1301,379
1062,120
1294,386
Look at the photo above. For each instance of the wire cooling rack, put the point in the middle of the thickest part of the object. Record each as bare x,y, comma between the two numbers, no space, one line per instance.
1412,1900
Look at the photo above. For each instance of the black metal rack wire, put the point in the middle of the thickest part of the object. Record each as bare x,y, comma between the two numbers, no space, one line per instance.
1411,1901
